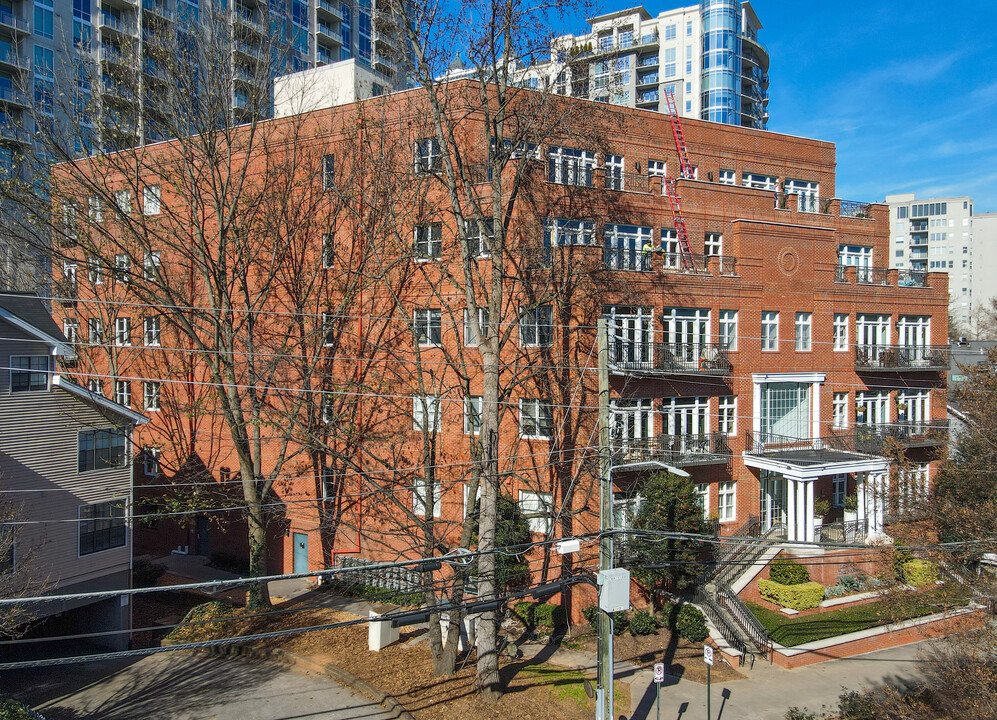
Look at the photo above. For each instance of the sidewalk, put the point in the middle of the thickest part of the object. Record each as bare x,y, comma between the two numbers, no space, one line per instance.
768,690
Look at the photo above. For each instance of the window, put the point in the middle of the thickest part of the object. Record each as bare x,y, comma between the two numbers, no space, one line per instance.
328,329
728,329
914,406
123,393
804,328
122,266
759,181
151,331
427,323
628,247
428,241
840,332
69,276
536,418
669,32
472,414
428,156
536,327
672,250
102,526
6,548
839,488
99,449
840,411
714,244
560,232
71,329
150,395
872,336
151,265
95,271
872,408
421,497
123,199
727,501
150,460
536,507
727,414
670,66
480,235
29,373
570,166
96,386
327,407
685,416
785,411
152,200
123,331
703,496
770,330
807,194
96,209
95,327
471,338
614,172
426,413
656,168
727,177
328,172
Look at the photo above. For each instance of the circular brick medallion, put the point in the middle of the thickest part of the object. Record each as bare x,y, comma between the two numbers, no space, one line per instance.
789,261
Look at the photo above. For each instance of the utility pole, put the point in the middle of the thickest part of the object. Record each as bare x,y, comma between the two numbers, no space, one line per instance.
604,683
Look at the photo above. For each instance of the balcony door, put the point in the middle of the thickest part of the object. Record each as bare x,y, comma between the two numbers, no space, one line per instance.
686,422
872,336
773,500
913,334
631,335
687,332
631,428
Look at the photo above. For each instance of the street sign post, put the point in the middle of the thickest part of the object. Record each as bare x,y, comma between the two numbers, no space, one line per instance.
659,677
708,659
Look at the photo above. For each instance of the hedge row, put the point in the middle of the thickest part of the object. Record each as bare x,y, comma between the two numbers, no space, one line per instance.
801,596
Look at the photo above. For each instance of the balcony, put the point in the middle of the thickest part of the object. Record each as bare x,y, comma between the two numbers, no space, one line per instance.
249,50
12,133
14,23
246,20
329,9
676,450
157,8
891,358
873,438
13,96
117,24
326,32
659,359
10,59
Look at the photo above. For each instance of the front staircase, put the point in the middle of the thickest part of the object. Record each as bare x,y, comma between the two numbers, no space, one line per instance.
732,557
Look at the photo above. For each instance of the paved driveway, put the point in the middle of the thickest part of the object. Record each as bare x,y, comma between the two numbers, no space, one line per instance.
186,686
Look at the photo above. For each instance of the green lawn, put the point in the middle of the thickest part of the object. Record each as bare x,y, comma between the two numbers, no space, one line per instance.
793,631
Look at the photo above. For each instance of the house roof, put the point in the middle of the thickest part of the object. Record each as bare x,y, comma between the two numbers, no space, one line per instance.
81,392
26,311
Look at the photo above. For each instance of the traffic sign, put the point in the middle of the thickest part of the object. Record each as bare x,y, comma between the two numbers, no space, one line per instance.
659,672
707,654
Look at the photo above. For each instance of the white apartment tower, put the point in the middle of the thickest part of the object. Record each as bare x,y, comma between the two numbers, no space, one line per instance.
936,234
708,55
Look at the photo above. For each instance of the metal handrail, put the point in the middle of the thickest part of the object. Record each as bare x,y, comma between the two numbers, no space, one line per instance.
626,181
746,619
730,632
872,437
673,449
636,356
855,209
912,278
901,356
843,531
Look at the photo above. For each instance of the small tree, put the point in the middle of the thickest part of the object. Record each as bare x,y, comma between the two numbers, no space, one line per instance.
669,504
512,529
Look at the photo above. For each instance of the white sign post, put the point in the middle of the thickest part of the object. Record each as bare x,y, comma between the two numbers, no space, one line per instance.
659,677
708,659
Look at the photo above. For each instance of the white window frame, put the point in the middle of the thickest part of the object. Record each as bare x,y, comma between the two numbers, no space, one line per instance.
328,172
615,169
532,420
713,244
561,232
152,200
328,250
727,177
917,404
479,236
428,326
423,405
95,209
728,329
71,329
760,181
727,415
95,331
727,501
428,241
472,414
536,326
151,265
328,340
703,496
151,390
839,410
122,267
150,460
624,247
672,251
95,270
537,508
151,331
804,331
770,331
123,331
69,274
570,166
428,153
123,200
123,392
420,494
876,405
840,329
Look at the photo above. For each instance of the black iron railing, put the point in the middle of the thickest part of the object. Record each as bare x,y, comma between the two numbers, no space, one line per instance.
901,357
721,621
912,278
850,531
805,451
744,618
872,438
675,450
851,208
626,181
668,358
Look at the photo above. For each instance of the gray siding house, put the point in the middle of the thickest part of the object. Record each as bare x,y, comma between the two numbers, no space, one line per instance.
66,454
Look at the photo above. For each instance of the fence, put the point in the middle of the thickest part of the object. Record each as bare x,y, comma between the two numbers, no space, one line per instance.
637,356
392,578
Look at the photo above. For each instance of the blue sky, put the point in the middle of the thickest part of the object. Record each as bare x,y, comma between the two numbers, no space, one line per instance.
906,90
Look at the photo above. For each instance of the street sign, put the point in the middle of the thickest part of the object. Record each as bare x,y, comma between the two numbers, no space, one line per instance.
707,654
659,672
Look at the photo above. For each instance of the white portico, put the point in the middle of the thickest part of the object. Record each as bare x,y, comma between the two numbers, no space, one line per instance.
787,448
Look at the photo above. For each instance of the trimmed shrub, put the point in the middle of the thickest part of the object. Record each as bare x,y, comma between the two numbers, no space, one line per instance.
800,596
691,624
548,615
795,713
621,623
620,620
524,610
788,572
919,572
643,623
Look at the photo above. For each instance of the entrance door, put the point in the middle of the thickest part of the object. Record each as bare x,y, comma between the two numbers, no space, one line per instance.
202,545
773,500
300,553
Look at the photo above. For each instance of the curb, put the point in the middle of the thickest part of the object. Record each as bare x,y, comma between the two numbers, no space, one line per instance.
343,677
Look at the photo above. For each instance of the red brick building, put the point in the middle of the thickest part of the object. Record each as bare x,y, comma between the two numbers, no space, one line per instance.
771,365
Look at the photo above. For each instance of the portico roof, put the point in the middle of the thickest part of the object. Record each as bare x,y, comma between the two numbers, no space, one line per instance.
810,458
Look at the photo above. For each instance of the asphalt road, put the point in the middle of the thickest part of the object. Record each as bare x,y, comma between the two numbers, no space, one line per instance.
185,686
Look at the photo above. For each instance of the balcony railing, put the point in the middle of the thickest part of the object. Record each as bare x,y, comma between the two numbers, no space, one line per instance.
912,278
8,19
626,182
851,531
804,451
901,357
668,358
872,438
853,209
677,450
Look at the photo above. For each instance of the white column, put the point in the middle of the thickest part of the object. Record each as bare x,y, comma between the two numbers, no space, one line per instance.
790,509
861,481
808,515
801,510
